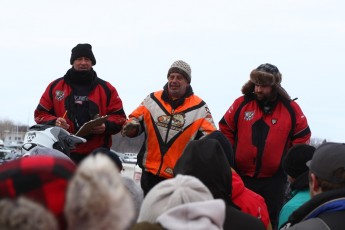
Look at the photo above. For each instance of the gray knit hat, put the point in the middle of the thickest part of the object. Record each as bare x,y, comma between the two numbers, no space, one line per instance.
171,193
183,68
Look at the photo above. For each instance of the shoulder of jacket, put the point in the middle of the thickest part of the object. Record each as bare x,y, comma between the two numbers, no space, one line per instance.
310,224
58,80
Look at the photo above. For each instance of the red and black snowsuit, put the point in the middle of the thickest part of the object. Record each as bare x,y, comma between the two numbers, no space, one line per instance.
83,97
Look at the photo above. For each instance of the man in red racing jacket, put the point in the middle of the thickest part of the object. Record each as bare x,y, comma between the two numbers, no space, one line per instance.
261,126
78,97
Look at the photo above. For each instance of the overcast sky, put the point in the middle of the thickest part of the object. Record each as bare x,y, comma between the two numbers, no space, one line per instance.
136,41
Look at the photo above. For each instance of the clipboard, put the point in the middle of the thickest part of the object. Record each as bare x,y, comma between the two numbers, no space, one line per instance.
87,126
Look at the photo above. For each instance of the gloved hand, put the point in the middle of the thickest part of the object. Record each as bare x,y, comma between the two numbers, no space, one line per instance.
130,128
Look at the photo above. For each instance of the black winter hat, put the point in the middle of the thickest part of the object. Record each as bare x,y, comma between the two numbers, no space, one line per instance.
296,159
205,159
225,143
82,50
112,155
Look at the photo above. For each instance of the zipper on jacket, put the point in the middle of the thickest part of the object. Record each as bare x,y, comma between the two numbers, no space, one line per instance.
166,139
169,126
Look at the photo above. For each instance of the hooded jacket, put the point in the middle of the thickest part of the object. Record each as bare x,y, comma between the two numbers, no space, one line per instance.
83,97
206,160
169,126
324,211
249,201
299,195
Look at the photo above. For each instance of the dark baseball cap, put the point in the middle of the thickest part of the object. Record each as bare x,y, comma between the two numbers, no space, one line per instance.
327,159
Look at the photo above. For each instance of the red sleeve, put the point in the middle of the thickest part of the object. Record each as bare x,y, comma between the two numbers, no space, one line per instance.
42,112
117,116
302,131
227,124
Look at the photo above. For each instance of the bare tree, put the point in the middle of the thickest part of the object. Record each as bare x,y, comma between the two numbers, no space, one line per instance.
316,141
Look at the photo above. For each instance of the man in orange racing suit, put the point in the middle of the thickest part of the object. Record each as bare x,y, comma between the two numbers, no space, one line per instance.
170,119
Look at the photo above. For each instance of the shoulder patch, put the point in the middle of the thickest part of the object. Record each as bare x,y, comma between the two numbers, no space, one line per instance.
248,115
59,95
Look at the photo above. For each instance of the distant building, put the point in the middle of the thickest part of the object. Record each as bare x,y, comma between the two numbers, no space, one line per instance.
14,139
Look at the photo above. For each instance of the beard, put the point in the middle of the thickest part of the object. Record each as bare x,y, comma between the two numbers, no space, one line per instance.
263,97
266,97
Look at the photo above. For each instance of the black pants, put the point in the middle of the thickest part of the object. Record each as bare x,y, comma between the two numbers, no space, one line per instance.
272,189
148,181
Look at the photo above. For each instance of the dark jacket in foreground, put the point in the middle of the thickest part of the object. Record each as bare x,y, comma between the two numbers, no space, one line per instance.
323,211
206,160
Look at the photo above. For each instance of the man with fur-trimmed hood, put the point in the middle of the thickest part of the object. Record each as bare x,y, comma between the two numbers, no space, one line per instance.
262,125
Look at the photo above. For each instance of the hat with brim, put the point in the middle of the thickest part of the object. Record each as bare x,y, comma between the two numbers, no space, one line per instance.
327,160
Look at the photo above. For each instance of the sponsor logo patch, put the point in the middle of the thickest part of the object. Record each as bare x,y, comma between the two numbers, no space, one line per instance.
248,115
59,95
177,123
169,171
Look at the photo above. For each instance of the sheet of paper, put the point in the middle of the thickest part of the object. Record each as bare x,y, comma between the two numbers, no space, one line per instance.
87,126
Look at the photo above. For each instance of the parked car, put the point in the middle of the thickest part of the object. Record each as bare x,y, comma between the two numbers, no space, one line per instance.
130,167
130,158
6,154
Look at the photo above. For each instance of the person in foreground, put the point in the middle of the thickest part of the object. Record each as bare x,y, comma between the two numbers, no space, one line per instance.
78,97
133,188
326,208
41,179
182,202
25,214
262,125
247,200
96,197
297,171
205,159
170,119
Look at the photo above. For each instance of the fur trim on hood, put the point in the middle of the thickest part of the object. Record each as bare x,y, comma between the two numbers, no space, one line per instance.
259,77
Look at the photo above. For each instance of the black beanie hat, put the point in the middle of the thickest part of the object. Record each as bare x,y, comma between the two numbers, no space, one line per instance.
82,50
225,143
112,155
296,159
